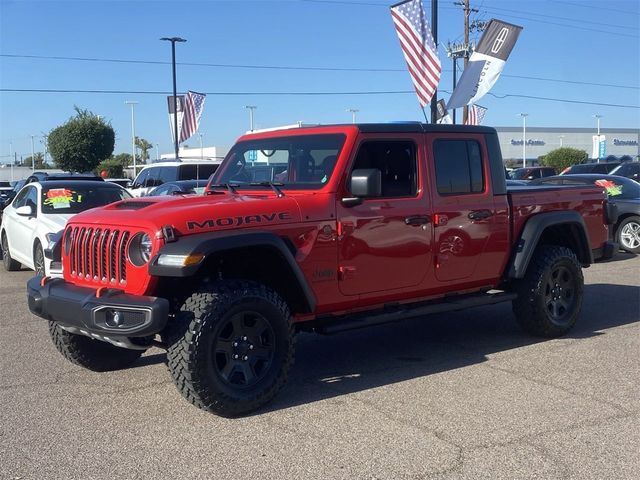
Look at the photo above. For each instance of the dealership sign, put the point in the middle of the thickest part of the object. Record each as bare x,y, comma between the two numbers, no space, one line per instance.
529,142
625,143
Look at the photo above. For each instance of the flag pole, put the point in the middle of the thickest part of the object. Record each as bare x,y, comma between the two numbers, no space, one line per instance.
434,31
425,115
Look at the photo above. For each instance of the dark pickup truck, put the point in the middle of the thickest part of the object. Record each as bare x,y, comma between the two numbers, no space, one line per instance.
321,229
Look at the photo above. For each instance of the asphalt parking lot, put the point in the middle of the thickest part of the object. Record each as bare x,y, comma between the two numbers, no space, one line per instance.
463,395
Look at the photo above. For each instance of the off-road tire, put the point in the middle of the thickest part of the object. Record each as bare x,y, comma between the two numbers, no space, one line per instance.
626,234
10,265
550,294
212,319
38,260
91,354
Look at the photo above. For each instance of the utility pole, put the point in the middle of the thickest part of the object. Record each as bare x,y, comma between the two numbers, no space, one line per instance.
33,156
476,25
133,134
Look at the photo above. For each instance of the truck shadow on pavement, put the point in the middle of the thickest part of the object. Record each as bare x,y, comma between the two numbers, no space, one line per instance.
331,366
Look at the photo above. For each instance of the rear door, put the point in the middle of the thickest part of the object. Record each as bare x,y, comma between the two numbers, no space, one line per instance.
466,232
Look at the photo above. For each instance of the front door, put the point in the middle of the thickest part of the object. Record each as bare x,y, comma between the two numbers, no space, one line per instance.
385,242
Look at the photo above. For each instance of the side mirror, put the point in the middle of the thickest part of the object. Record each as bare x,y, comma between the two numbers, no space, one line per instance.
25,211
365,183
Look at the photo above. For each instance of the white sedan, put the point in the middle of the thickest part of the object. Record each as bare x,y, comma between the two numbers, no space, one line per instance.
42,209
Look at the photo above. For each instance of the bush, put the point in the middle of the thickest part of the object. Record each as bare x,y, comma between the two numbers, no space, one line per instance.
112,166
564,157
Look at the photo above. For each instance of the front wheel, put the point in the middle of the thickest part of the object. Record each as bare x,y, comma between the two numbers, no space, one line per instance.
38,260
628,234
550,294
230,347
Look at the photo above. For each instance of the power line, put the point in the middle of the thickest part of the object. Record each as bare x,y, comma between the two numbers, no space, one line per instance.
288,67
561,18
599,7
383,92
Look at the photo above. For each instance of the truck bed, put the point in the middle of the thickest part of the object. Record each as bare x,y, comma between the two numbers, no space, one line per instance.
587,200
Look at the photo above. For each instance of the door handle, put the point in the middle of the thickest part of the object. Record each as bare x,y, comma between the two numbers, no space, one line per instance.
417,220
479,214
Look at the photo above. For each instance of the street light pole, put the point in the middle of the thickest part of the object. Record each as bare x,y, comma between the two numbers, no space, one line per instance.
598,117
157,152
173,41
353,114
33,156
524,139
561,137
251,108
133,134
11,159
201,150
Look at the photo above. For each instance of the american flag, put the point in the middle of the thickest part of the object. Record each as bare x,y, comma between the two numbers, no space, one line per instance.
475,115
193,106
418,47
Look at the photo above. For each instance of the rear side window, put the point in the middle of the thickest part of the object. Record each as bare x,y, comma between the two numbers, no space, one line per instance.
167,174
458,167
197,171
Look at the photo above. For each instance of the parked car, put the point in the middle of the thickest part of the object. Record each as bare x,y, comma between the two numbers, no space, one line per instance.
629,169
10,195
622,191
44,176
184,187
40,210
362,229
123,182
156,174
603,167
531,173
5,188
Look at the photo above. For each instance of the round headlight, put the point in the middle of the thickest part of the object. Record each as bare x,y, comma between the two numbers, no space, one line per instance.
140,249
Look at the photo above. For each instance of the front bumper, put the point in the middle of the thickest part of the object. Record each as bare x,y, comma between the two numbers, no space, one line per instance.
113,313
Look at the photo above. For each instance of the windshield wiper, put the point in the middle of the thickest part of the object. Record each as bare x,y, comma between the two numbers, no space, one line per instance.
229,186
274,186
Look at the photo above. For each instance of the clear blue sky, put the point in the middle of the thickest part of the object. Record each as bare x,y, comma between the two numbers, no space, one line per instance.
573,40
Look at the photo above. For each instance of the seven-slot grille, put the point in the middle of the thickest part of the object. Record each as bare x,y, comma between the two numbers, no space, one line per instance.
98,254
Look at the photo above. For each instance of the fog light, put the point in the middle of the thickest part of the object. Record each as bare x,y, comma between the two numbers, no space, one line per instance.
114,318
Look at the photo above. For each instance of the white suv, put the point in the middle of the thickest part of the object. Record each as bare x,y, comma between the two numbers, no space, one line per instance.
156,174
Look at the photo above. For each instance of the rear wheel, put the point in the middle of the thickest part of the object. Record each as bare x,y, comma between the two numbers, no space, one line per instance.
230,347
550,294
10,265
628,234
91,354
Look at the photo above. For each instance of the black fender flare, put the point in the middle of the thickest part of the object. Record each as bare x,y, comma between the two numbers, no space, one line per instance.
208,244
534,229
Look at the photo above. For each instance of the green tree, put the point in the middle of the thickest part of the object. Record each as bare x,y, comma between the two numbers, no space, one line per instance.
39,161
81,143
563,157
125,159
143,147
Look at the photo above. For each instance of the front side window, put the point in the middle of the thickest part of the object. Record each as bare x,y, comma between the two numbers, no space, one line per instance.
77,199
397,163
458,166
21,197
141,178
301,161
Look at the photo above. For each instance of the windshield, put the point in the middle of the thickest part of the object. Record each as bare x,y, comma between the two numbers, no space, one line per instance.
620,188
303,161
77,199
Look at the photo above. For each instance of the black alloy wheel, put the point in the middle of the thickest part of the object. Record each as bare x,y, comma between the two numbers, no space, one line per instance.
559,296
243,350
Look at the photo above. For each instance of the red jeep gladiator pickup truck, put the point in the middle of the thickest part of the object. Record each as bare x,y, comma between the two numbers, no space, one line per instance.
323,229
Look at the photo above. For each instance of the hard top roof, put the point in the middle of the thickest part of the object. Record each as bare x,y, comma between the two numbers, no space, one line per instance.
391,127
76,183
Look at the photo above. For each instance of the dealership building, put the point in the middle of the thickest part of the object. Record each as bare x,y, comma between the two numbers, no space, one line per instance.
617,142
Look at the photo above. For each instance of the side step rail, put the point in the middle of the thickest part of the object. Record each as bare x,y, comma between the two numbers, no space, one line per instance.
395,313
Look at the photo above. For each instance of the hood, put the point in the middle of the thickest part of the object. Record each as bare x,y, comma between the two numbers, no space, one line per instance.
54,222
196,214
